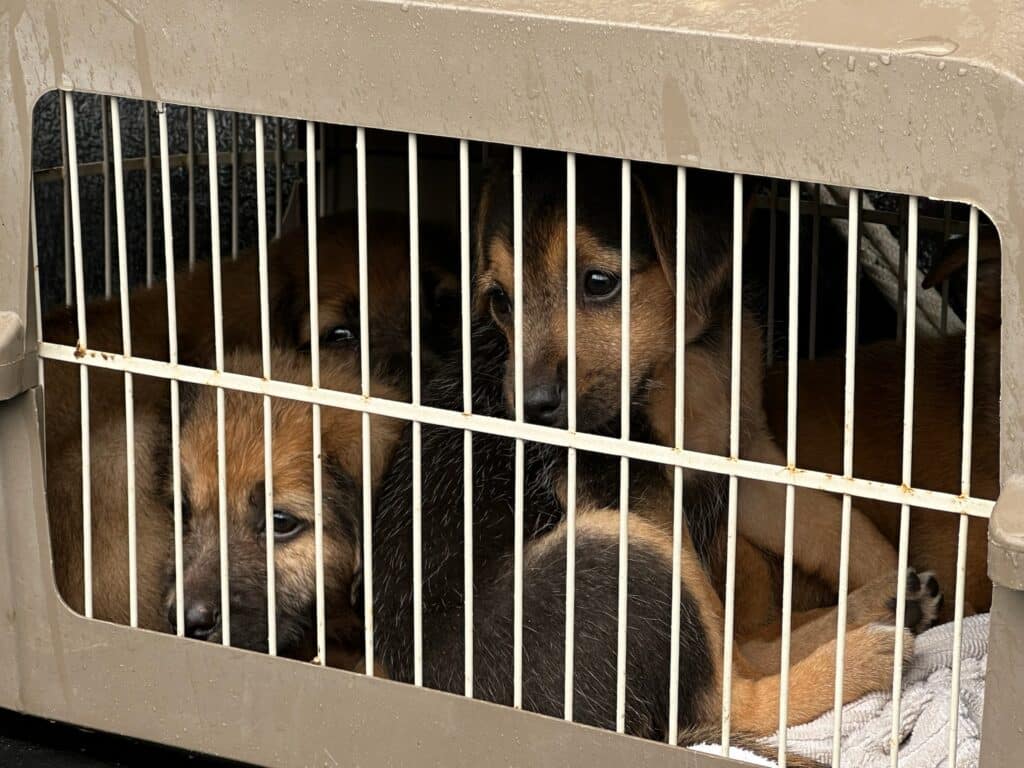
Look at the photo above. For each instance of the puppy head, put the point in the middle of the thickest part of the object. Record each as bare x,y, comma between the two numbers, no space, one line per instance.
598,289
293,515
388,286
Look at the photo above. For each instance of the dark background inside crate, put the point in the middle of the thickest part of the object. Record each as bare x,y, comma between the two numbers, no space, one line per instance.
386,180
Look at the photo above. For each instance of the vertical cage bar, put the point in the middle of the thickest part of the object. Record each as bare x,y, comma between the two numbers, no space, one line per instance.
901,305
417,444
364,386
126,345
791,415
965,475
66,190
322,204
37,289
268,416
852,261
734,448
105,131
812,323
172,351
190,166
234,185
314,351
148,171
218,346
773,234
625,391
677,472
467,407
909,335
570,388
76,236
947,225
278,181
517,305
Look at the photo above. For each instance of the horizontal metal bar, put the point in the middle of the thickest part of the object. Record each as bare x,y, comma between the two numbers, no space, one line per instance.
248,157
873,216
660,454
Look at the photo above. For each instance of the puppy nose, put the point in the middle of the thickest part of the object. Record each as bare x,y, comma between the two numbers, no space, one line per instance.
543,404
201,619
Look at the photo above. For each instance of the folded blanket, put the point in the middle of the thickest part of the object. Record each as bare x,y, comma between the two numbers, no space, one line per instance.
924,711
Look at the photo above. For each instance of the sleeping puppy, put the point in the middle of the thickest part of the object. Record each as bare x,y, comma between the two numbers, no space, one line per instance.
292,513
870,639
938,426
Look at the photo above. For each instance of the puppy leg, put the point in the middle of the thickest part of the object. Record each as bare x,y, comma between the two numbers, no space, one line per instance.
818,527
874,603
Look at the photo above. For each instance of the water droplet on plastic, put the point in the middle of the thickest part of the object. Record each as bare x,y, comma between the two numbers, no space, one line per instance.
851,63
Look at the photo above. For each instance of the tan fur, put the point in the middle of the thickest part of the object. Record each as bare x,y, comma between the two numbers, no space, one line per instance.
292,484
707,393
755,695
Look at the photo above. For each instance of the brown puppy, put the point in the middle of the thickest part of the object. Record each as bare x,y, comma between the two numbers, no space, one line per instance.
938,425
652,350
288,279
293,511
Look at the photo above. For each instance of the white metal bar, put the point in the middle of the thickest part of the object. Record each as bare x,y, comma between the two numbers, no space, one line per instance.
625,391
965,476
278,181
517,278
909,334
268,418
322,205
467,407
172,351
34,247
218,345
148,169
947,224
570,388
812,323
852,259
364,385
901,272
773,232
314,351
677,472
234,185
126,341
581,441
417,444
734,448
65,185
190,167
105,131
791,414
76,236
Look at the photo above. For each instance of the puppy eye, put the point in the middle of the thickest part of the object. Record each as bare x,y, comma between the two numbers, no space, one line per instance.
500,305
339,336
598,284
285,525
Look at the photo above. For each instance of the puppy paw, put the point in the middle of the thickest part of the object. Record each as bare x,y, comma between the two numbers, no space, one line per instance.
924,601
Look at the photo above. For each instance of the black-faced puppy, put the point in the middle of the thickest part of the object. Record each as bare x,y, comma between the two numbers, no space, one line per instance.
652,356
293,511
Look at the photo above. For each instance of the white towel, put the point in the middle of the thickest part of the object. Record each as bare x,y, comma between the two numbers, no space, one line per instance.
924,711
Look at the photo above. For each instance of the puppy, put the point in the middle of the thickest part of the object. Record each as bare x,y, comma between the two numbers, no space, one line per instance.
938,425
293,512
288,279
754,704
652,349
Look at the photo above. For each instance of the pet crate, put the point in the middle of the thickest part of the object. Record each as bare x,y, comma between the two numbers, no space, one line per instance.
927,107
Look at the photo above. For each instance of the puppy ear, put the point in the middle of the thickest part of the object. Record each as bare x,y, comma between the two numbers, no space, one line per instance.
493,213
952,264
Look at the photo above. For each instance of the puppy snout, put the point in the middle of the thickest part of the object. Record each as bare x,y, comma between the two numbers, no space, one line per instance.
202,619
545,404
